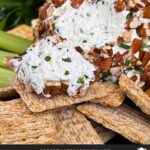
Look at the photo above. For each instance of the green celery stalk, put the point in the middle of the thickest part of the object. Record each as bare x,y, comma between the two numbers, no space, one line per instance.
13,43
5,77
2,56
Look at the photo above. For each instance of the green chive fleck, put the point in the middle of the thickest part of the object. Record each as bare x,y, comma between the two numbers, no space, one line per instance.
66,59
124,46
86,76
127,63
47,58
145,46
105,74
34,67
66,73
81,80
130,15
138,68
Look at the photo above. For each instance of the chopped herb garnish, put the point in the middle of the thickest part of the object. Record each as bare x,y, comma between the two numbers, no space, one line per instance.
86,76
125,46
138,68
105,74
145,46
149,38
81,30
88,14
127,63
55,17
66,59
57,30
81,80
39,23
34,67
130,15
47,58
84,41
66,73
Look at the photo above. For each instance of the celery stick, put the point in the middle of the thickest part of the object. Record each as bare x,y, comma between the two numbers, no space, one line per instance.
2,56
13,43
5,77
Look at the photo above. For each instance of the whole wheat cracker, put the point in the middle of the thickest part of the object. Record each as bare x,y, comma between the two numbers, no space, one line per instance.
114,98
135,93
71,126
23,31
126,121
8,93
74,128
18,125
103,132
38,103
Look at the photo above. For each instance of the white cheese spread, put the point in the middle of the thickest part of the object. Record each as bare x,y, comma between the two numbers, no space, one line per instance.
92,24
47,61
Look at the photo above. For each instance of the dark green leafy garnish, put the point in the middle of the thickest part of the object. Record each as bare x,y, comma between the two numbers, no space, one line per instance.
34,67
47,58
127,63
66,73
16,12
81,80
125,46
105,74
66,59
149,38
130,15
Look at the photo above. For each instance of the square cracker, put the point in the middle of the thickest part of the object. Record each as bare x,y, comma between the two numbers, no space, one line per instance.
114,98
8,93
104,133
23,31
124,120
18,125
38,103
21,126
74,128
135,93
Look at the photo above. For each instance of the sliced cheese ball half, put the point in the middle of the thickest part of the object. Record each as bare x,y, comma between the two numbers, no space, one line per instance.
52,67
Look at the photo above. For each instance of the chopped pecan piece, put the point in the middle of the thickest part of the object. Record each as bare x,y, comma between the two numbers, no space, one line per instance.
146,12
76,3
104,63
143,77
141,31
126,36
120,40
136,45
132,6
142,3
8,61
42,11
115,70
79,49
118,59
144,57
54,88
134,78
58,3
147,83
119,5
133,23
107,50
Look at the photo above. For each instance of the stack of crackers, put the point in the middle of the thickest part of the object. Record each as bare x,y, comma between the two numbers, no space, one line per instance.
26,118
